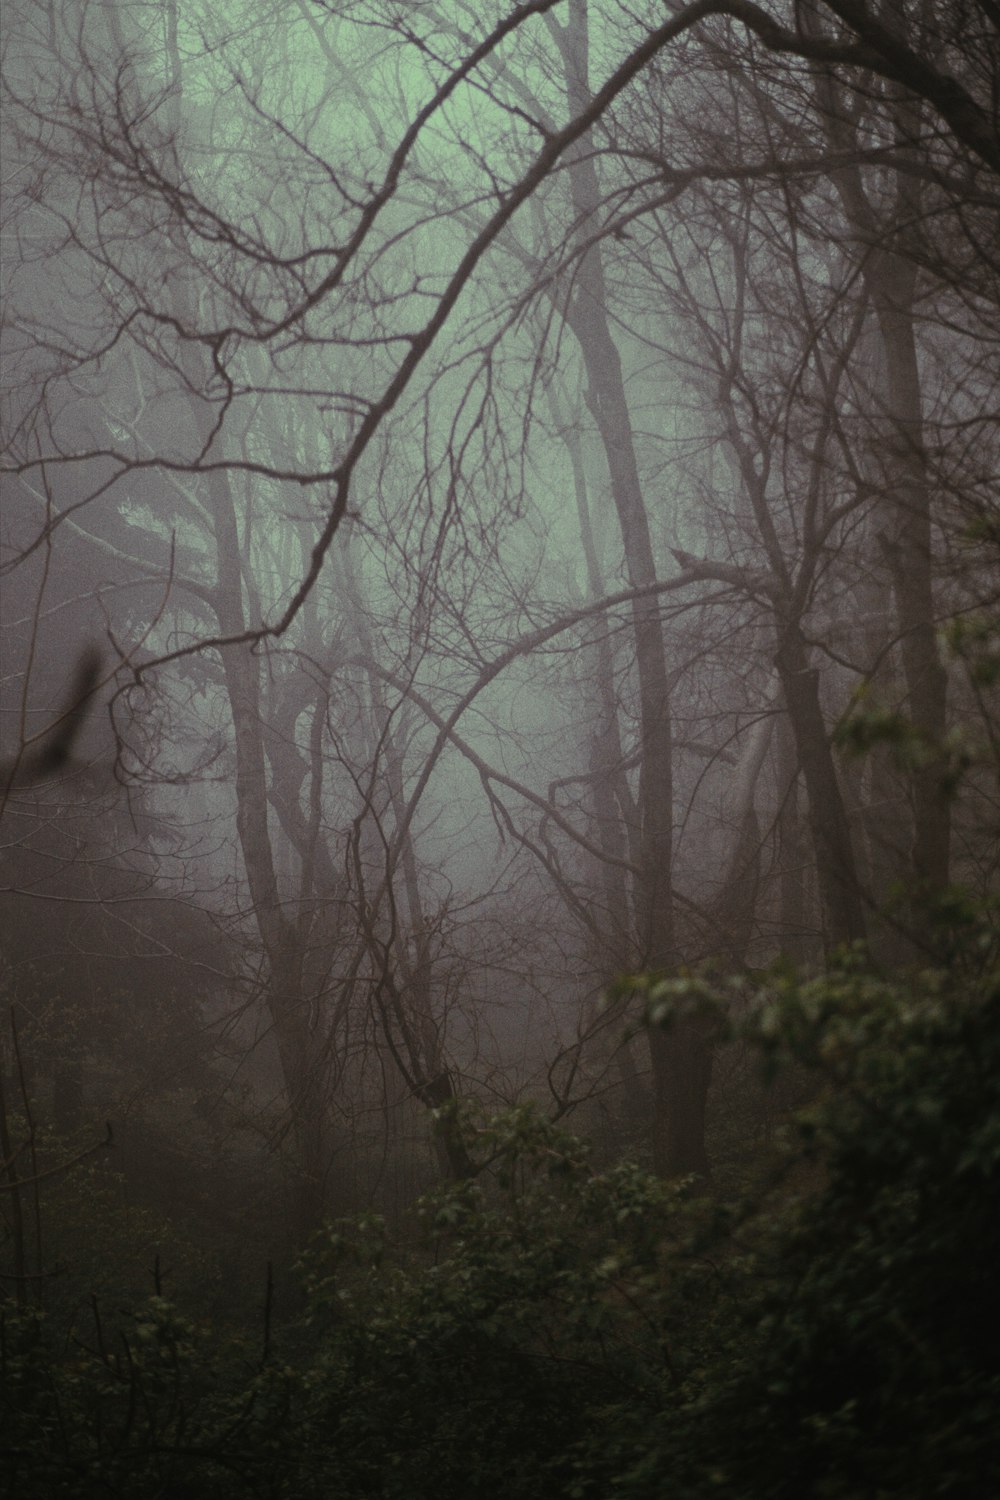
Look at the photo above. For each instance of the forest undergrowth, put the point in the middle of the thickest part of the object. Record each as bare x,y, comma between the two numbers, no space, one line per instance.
823,1324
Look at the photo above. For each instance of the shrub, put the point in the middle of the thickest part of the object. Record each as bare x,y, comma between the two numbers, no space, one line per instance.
561,1331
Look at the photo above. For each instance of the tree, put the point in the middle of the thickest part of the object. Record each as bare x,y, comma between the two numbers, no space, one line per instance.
210,366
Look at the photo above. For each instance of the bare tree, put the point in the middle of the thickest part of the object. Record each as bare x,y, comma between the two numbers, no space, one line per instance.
242,306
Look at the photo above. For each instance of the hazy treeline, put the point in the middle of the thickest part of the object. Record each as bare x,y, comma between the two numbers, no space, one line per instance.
530,474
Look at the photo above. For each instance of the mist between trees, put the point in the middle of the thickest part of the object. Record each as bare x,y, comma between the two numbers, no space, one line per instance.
530,474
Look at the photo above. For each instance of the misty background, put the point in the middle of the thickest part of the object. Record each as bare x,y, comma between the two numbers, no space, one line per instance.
537,513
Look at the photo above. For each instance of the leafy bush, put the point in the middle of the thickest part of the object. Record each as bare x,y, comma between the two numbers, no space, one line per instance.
867,1363
560,1331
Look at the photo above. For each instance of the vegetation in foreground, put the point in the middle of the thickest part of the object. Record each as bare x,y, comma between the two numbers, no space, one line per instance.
558,1330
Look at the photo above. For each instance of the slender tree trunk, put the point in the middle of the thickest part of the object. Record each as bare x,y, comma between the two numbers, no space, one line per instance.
425,1072
887,233
614,810
301,1072
736,902
791,883
840,893
908,548
680,1058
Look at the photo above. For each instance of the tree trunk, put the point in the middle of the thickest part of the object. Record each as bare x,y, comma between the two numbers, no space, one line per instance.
417,1048
908,548
887,233
241,672
791,883
840,894
679,1058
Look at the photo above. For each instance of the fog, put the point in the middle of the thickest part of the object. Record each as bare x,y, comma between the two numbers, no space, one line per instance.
537,518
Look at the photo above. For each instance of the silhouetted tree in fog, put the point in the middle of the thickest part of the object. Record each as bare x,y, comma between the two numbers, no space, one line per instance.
657,341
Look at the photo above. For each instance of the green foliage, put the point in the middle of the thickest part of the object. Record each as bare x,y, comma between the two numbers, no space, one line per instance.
162,1408
973,641
555,1330
870,1369
532,1308
870,724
